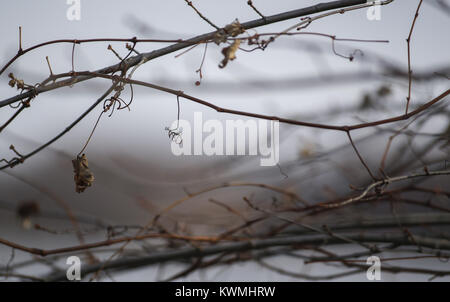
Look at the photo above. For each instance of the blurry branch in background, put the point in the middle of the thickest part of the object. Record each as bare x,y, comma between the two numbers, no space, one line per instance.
278,220
441,5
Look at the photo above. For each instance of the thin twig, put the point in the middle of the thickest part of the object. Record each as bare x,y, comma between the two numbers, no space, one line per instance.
250,3
200,14
408,44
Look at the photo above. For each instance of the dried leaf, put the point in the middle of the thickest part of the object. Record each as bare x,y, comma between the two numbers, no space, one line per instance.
384,91
25,211
83,176
229,53
220,37
234,29
366,102
20,84
15,82
11,82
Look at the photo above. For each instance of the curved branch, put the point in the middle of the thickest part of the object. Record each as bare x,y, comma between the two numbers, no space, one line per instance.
132,61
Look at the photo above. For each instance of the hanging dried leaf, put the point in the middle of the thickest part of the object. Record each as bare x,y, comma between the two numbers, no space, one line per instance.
229,53
83,176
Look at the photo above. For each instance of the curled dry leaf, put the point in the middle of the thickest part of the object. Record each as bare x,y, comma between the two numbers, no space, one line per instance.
15,82
83,176
11,82
229,53
233,29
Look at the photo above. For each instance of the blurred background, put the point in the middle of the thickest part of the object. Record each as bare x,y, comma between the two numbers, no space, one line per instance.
136,174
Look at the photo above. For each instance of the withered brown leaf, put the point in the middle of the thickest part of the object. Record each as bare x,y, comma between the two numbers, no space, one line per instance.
20,84
233,29
83,176
229,53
